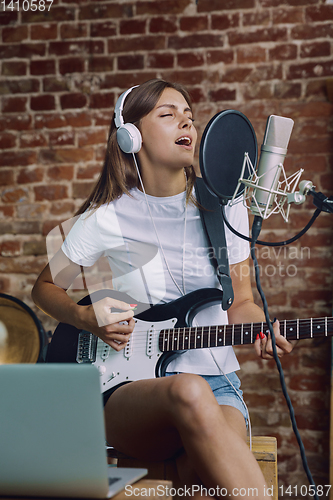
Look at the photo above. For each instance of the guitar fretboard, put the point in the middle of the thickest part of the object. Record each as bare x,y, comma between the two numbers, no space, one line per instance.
178,339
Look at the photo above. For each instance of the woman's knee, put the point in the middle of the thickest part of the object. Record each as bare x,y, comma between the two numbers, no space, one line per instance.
189,392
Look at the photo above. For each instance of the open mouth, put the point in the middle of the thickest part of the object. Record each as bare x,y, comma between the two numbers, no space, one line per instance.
184,141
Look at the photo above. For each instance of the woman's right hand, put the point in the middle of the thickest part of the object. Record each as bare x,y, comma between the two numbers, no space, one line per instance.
114,328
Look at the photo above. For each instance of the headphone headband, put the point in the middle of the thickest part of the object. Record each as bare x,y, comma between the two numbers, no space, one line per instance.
118,110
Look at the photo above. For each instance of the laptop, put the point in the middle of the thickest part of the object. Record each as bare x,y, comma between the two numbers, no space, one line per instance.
52,437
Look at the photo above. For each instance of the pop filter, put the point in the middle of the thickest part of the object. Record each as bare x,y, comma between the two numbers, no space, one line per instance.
227,136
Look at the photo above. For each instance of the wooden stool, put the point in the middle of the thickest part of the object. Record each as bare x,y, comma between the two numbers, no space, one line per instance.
264,449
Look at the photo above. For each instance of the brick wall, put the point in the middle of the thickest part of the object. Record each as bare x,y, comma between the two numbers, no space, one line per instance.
60,74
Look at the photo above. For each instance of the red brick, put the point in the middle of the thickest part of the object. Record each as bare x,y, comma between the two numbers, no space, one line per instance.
225,21
257,36
11,68
160,60
104,11
310,70
32,140
88,172
28,175
77,120
62,138
132,26
62,207
76,48
288,90
69,30
66,155
130,62
43,102
148,42
195,41
73,100
10,248
261,18
126,80
64,173
14,195
266,72
319,13
103,118
194,23
56,84
22,50
14,104
43,67
53,120
102,100
54,15
163,25
34,247
288,16
44,31
315,49
258,91
14,34
6,211
167,7
8,18
92,137
7,140
82,189
222,94
102,64
251,54
71,65
103,29
210,5
14,159
186,77
50,192
197,94
190,59
236,74
307,32
6,177
283,52
218,56
19,122
316,89
22,86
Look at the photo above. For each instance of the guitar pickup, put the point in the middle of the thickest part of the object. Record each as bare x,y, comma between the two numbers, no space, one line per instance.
150,347
86,347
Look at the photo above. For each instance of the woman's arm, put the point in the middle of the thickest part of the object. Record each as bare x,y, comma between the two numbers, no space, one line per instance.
49,294
244,310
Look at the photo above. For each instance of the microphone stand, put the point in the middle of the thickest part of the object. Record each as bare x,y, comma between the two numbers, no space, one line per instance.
321,201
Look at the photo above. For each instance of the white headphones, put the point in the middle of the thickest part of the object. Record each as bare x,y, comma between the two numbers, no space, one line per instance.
128,135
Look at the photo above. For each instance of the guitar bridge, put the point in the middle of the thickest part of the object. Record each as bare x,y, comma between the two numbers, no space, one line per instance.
86,347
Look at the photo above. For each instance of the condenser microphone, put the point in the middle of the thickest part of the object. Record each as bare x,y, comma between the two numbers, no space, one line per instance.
273,152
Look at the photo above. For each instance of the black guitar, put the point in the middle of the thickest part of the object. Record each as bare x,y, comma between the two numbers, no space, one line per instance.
160,333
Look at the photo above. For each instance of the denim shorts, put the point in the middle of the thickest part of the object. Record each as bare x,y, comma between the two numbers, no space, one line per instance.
224,392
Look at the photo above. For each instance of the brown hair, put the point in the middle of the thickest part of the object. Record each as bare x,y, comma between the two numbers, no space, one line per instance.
119,174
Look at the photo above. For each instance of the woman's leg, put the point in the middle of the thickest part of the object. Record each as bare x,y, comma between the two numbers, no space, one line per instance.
154,419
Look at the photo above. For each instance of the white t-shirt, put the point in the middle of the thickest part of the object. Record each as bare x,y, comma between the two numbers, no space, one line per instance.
123,231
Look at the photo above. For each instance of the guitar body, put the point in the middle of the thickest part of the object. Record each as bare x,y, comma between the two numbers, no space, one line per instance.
142,357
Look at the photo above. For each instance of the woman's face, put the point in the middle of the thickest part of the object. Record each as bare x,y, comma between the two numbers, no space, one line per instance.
168,134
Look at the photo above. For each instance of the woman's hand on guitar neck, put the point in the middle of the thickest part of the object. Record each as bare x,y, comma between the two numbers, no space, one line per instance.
114,328
263,344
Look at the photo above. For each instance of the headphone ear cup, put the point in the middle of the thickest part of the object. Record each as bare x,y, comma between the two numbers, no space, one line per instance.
129,138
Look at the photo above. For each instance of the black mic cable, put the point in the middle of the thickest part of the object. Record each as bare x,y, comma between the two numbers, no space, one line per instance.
256,228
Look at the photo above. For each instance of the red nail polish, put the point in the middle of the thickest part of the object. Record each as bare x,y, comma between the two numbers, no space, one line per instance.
133,305
262,336
257,337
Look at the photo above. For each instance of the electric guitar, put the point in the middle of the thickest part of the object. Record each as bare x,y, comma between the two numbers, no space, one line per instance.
161,333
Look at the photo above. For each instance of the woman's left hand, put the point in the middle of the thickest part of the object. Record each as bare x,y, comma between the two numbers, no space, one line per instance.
263,344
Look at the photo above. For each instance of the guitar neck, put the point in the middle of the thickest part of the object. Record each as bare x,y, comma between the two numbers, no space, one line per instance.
178,339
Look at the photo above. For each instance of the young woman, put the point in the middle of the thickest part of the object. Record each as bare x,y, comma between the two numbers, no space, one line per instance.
143,216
